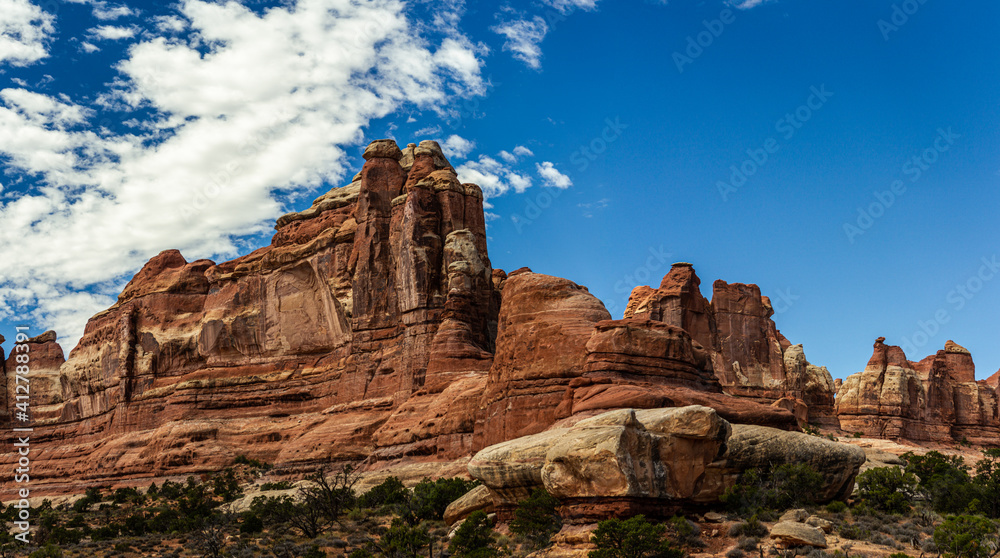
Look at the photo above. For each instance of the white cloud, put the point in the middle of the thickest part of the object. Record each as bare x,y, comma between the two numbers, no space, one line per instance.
566,6
493,177
551,176
523,39
89,48
265,115
519,151
169,24
457,146
745,4
111,32
105,12
24,28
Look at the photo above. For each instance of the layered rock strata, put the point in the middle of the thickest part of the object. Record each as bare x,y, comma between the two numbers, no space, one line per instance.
750,358
936,399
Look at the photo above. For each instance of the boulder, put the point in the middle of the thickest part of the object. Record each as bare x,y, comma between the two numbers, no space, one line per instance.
792,534
765,448
797,516
819,523
625,459
479,498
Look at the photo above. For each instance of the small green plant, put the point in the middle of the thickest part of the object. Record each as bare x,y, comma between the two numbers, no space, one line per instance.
474,538
836,506
280,485
536,519
632,538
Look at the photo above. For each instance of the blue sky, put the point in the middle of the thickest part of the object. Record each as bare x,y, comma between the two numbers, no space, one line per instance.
841,155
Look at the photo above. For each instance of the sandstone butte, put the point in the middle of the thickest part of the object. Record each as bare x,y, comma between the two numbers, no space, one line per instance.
374,329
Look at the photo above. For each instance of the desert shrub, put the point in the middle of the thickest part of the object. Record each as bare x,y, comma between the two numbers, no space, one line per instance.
787,486
430,498
633,538
252,523
404,541
836,506
256,464
854,532
280,485
536,519
735,553
684,532
749,528
943,480
988,482
966,536
49,551
387,495
749,544
887,489
474,538
225,485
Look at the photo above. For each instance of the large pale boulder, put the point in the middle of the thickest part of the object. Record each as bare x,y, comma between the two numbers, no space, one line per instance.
479,498
765,448
624,456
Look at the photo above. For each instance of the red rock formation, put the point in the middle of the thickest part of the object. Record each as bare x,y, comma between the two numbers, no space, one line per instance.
937,399
749,355
376,303
544,326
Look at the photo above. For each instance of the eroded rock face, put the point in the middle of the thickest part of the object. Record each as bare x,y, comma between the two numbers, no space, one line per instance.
748,355
544,326
937,399
378,302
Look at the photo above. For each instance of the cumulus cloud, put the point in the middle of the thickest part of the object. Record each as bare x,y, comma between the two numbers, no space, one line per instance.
24,29
225,135
495,178
457,146
551,176
524,37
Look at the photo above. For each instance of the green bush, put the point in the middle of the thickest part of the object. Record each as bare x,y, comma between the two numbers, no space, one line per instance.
430,498
836,506
966,536
280,485
50,551
389,494
758,492
404,541
474,538
887,489
632,538
536,519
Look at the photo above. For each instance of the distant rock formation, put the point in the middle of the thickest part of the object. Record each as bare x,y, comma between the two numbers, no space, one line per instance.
749,355
936,399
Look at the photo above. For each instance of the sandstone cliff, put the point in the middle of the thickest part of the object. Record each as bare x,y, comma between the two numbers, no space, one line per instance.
749,355
936,399
377,302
